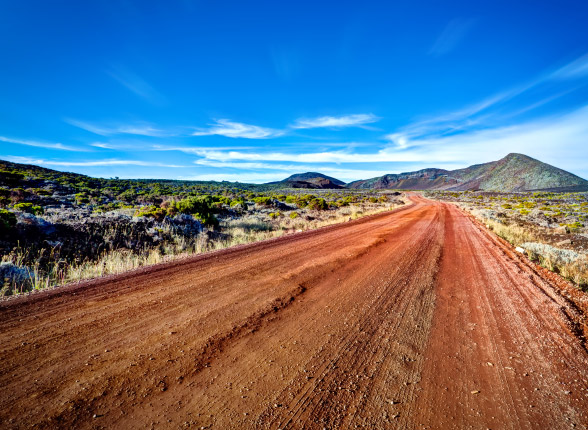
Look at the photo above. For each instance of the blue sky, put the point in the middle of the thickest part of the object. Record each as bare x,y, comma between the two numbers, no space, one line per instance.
255,91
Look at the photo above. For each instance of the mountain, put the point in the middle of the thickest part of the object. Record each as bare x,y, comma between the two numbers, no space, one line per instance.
515,172
420,180
312,176
312,180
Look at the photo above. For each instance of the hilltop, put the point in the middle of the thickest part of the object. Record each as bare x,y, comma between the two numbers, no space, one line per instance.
515,172
313,180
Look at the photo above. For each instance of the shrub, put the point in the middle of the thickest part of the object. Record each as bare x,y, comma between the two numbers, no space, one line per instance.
82,198
294,215
7,220
201,207
575,226
263,201
318,204
239,202
29,208
152,212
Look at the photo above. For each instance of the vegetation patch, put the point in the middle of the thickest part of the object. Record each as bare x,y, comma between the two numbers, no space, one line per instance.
62,227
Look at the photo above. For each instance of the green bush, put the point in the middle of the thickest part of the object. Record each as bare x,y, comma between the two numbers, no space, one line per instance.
201,207
317,204
152,212
7,220
294,215
263,201
29,208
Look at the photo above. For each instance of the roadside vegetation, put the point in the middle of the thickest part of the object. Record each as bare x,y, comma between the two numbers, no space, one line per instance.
57,228
550,227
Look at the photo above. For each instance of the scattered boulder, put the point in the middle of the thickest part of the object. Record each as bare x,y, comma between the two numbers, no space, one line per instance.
12,276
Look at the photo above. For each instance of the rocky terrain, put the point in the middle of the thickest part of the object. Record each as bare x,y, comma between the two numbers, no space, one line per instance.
60,227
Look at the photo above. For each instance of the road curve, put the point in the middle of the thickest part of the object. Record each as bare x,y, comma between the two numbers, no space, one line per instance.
418,318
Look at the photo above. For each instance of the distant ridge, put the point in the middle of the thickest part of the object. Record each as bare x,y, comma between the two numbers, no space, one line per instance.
313,180
515,172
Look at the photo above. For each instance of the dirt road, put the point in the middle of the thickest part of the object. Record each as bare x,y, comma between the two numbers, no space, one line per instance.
413,319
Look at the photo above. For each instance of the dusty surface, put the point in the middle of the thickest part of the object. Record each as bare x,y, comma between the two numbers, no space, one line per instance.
412,319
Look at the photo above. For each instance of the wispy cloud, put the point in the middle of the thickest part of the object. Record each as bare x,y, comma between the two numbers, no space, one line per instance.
196,149
221,127
486,113
450,37
535,138
356,120
47,145
136,85
308,157
250,177
282,170
139,129
225,127
104,145
89,163
575,69
550,139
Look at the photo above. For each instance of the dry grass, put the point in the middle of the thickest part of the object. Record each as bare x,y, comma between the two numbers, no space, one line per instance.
236,232
570,265
512,233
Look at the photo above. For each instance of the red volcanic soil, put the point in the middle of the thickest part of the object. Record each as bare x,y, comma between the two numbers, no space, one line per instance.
412,319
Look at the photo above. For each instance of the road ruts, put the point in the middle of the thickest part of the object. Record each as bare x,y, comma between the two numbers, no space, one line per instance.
413,319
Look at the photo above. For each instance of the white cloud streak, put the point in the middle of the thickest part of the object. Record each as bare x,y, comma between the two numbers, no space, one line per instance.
225,127
574,70
480,114
45,145
92,163
140,129
549,139
356,120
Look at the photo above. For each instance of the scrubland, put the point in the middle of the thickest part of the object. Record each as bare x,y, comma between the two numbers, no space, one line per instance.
549,227
58,228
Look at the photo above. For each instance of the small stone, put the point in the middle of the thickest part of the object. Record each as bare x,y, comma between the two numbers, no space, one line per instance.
476,392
